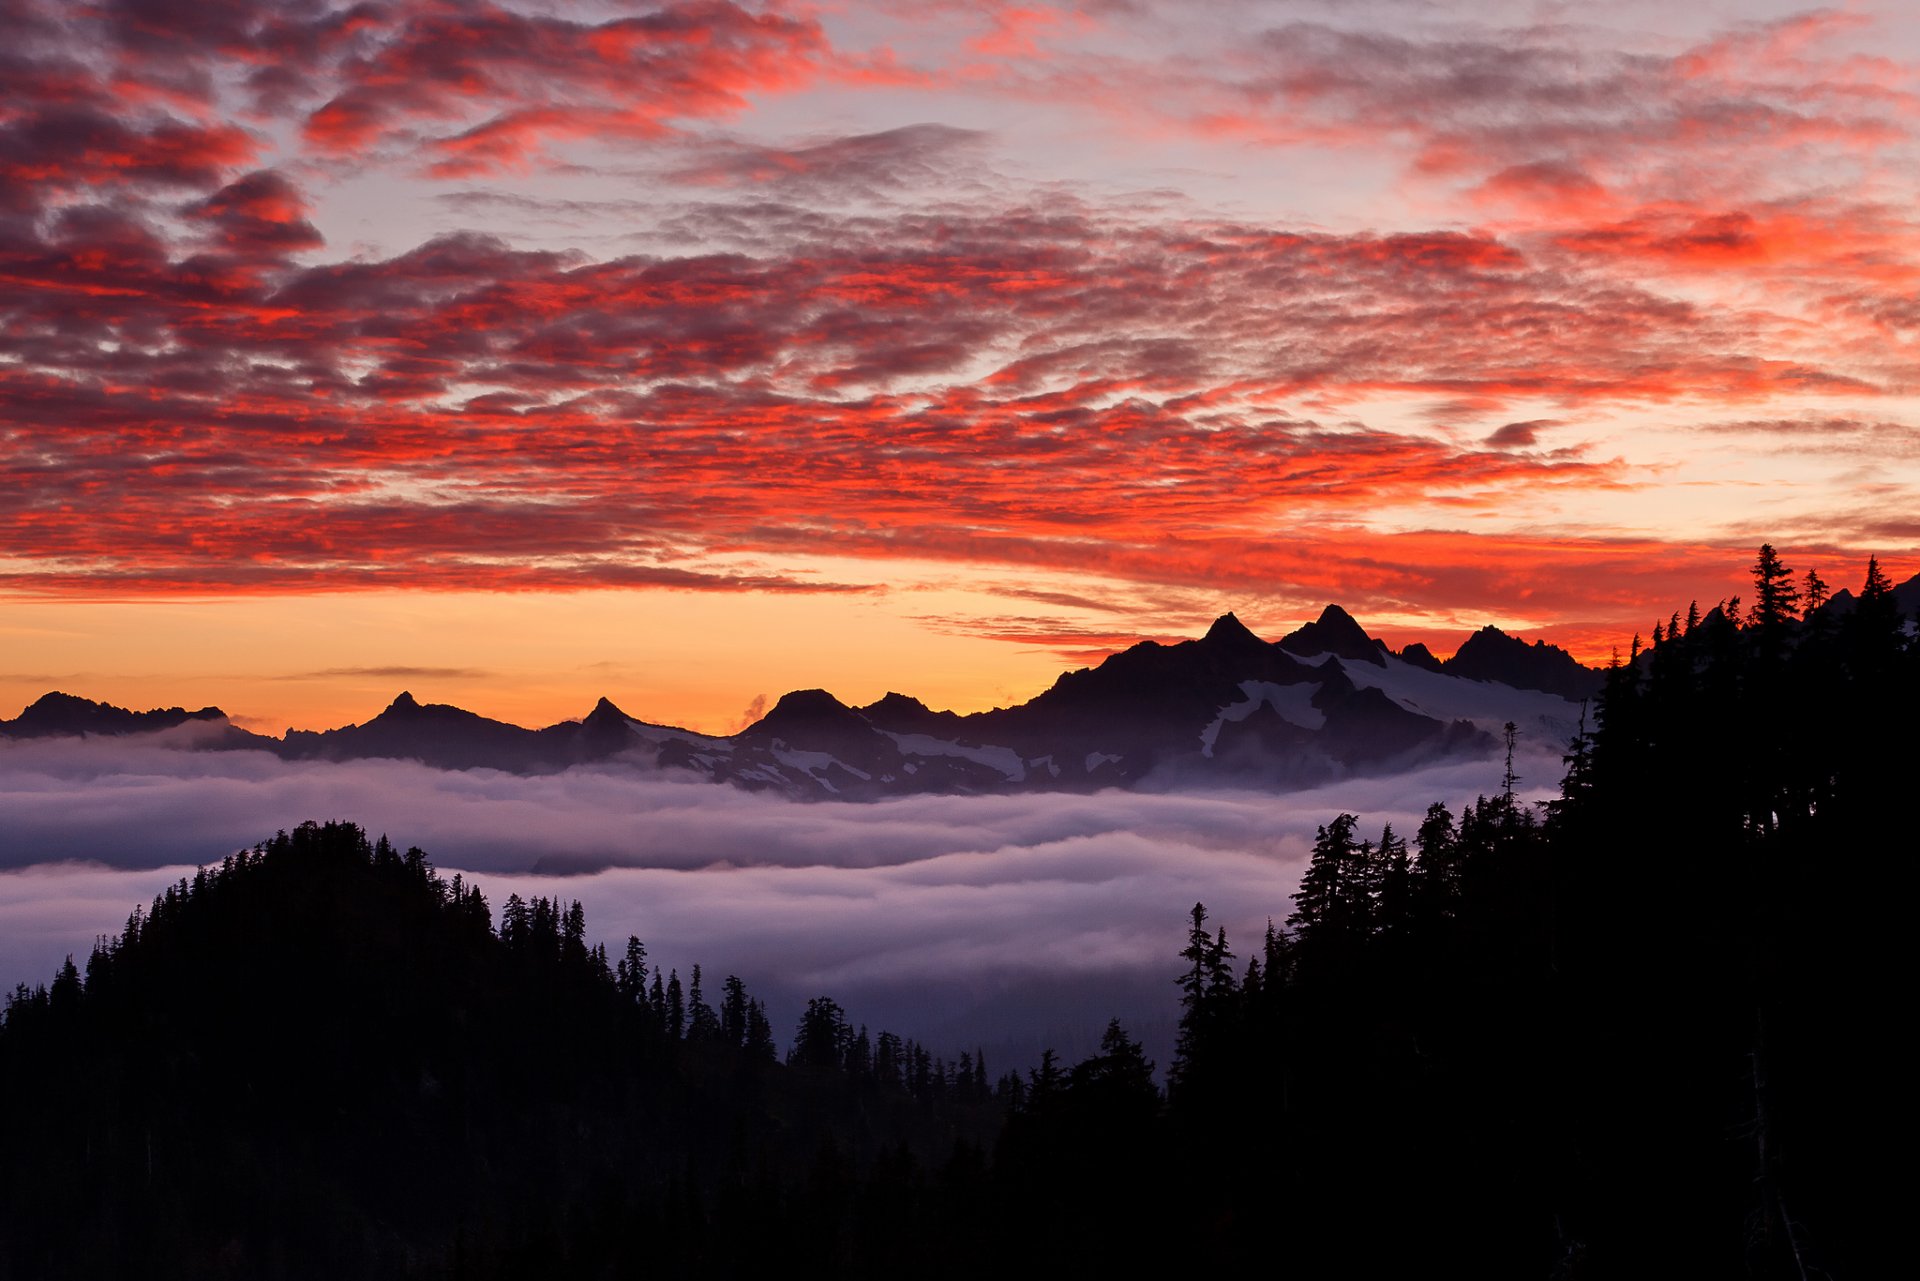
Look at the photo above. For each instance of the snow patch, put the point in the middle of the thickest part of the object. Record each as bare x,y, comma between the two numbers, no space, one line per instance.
1294,703
815,763
661,734
1488,704
1003,759
1096,759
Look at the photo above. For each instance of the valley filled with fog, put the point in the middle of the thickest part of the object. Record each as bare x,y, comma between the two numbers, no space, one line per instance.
1055,911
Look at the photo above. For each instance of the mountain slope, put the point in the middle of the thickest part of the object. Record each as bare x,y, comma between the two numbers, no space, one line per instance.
1492,655
1226,708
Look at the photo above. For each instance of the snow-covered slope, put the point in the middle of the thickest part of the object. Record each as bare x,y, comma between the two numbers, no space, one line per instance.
1227,707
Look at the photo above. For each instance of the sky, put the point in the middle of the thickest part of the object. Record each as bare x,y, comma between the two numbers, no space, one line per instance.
519,353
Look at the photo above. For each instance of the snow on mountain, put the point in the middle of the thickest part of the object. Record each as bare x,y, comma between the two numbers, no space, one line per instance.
1294,703
1489,705
1325,702
1004,759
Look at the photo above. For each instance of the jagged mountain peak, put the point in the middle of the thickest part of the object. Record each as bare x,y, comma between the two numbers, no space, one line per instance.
54,699
1225,704
806,711
1492,655
1228,630
904,714
1335,632
58,713
407,713
892,702
1418,655
807,702
605,710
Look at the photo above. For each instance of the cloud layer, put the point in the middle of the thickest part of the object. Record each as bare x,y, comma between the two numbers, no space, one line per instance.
915,913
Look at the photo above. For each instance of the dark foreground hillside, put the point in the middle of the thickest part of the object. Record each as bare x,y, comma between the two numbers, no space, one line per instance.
1648,1031
321,1059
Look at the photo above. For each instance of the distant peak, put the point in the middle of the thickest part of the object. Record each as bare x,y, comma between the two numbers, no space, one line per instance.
1335,632
404,703
604,711
57,713
59,700
1493,655
1229,630
903,713
893,701
806,712
1420,656
807,702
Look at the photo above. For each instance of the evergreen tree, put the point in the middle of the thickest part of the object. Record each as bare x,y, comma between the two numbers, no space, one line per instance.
1118,1081
573,934
760,1047
1815,592
733,1011
515,922
822,1037
1395,898
1207,1000
1323,890
888,1061
630,977
702,1023
676,1011
1776,600
1193,982
657,1000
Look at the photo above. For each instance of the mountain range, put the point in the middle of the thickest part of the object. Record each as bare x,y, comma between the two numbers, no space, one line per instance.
1324,701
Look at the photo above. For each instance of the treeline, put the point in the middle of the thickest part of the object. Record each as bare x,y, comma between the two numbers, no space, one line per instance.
321,1058
1644,1029
1641,1030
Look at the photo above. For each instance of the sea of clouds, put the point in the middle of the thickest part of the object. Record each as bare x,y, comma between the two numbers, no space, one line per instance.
1008,922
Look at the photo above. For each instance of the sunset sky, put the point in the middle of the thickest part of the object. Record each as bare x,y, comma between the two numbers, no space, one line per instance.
520,353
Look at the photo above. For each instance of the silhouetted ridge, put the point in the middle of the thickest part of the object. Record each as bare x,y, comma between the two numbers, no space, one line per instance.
436,734
1492,655
56,714
1152,714
903,714
1228,632
602,732
1418,655
319,1059
812,720
604,710
1906,598
1335,632
807,711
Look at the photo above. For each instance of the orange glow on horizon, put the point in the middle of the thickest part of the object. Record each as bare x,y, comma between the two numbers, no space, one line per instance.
949,346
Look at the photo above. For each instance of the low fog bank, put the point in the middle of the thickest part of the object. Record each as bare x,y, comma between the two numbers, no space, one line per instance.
1004,922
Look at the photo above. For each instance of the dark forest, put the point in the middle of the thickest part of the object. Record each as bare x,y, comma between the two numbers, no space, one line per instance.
1645,1029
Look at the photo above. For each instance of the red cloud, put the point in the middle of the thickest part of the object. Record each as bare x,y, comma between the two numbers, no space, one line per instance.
487,87
296,420
260,214
193,397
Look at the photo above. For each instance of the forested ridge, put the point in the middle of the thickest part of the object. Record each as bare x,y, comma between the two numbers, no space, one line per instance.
1647,1029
